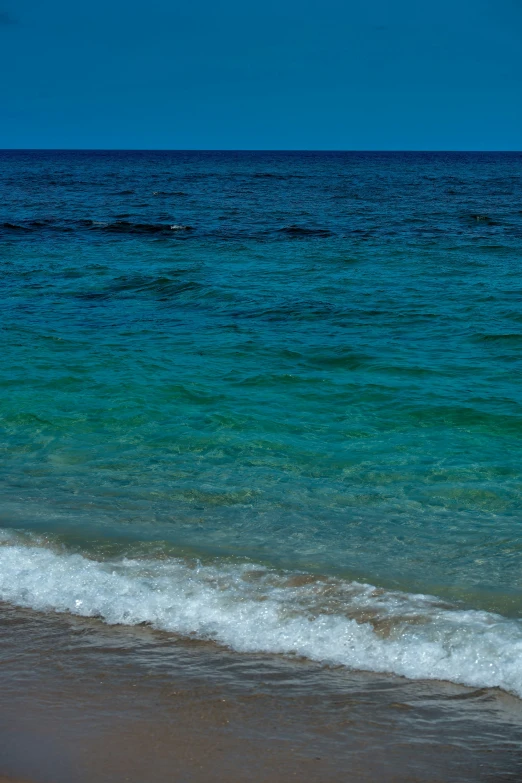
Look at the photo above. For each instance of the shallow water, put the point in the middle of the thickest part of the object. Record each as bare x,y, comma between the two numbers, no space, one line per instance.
86,701
269,399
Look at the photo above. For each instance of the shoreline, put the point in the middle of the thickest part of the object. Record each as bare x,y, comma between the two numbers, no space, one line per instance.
87,701
258,610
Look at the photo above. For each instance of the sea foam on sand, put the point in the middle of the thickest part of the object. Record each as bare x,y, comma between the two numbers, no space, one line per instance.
254,609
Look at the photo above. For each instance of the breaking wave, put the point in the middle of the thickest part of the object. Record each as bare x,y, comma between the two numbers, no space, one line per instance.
254,609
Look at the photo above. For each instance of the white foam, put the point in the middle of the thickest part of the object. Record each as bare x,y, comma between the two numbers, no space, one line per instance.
252,609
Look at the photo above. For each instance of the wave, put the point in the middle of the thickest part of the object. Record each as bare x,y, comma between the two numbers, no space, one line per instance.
251,608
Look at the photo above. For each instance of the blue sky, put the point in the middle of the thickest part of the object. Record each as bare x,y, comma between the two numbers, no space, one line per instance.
282,74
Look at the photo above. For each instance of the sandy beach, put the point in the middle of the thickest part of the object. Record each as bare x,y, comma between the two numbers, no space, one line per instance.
86,702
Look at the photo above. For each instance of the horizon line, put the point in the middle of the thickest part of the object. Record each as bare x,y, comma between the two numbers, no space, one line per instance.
260,150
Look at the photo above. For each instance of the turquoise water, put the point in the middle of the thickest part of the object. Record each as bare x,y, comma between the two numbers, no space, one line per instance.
303,366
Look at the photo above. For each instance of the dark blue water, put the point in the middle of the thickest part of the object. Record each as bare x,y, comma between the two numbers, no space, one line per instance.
271,399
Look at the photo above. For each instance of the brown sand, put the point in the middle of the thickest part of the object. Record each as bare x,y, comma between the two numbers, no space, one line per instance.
85,703
196,739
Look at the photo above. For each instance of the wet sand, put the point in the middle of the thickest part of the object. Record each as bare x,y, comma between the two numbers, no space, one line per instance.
85,702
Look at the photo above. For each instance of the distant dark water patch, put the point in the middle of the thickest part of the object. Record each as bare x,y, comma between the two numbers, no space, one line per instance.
162,286
169,193
269,175
296,310
467,417
124,226
15,227
514,338
43,223
343,359
35,226
481,218
305,231
491,247
127,227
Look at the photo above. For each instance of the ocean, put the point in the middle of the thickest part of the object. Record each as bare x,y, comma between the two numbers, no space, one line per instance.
268,401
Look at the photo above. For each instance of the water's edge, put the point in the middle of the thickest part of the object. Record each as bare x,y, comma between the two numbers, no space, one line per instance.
251,608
